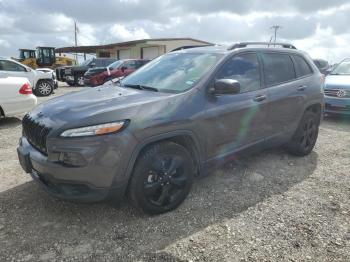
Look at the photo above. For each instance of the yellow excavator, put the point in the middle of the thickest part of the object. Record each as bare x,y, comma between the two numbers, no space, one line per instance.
43,56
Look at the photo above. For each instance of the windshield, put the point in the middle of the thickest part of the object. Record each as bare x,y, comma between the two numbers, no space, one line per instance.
115,65
86,62
174,72
342,69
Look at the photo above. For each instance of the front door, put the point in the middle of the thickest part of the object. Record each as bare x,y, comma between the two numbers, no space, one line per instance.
236,121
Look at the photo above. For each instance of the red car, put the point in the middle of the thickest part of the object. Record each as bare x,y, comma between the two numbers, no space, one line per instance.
99,75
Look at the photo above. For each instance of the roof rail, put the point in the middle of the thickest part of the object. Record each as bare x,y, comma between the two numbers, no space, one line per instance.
268,44
189,46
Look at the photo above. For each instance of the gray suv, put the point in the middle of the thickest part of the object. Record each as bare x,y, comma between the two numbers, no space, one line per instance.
148,135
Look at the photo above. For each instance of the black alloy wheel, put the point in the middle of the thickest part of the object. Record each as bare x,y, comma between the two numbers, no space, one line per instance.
305,137
162,178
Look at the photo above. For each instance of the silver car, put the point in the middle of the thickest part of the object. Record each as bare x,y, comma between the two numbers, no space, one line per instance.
337,89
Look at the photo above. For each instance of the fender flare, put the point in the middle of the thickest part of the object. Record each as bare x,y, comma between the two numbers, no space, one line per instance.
166,136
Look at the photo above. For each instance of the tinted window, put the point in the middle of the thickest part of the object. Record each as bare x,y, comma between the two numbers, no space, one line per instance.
130,64
302,68
278,68
11,66
245,69
115,65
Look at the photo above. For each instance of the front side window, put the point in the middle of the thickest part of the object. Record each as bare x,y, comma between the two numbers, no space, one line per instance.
11,66
245,69
130,65
115,65
278,68
302,68
174,72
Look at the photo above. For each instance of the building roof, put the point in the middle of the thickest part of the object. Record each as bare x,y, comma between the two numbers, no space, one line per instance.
93,48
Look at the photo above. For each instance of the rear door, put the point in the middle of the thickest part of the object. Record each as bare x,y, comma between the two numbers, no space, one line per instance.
236,121
286,99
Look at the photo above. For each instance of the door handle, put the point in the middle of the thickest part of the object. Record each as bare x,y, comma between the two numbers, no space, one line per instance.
301,88
259,98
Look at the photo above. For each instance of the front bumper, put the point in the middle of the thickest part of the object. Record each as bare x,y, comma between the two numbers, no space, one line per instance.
103,173
335,105
70,79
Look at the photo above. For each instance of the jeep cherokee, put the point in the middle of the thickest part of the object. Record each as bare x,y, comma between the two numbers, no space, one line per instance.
149,134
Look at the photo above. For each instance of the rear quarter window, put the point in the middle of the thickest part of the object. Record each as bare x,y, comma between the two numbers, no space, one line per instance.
302,68
278,68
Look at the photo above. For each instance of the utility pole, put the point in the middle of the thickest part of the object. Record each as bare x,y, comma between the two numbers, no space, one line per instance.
276,28
76,39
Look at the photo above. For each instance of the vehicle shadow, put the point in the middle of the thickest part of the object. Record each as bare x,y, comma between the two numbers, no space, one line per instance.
337,123
8,123
37,225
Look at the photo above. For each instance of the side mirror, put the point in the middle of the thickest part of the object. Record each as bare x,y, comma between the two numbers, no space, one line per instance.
123,68
328,71
226,87
28,69
92,64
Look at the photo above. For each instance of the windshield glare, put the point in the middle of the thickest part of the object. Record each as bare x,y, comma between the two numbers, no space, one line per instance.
174,72
342,69
115,65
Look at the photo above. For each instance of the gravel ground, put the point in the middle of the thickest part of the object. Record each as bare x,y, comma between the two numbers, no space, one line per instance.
269,206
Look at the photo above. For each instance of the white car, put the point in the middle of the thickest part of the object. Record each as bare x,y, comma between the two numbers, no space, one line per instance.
49,70
41,82
16,96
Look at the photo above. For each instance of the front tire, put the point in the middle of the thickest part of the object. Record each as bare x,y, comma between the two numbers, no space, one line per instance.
79,80
44,88
305,137
162,178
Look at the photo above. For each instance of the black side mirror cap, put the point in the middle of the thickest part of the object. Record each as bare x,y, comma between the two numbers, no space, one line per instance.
226,87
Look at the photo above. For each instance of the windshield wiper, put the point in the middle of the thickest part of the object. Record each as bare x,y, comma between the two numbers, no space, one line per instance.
141,87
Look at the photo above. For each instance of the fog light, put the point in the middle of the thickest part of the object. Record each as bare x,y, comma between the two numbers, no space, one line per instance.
72,159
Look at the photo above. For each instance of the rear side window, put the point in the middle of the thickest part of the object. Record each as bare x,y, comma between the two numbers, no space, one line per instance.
278,68
245,69
11,66
302,68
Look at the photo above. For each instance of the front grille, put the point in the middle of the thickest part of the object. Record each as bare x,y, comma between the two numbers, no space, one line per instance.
67,71
35,133
334,93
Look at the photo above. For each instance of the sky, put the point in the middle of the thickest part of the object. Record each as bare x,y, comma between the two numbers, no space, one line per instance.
320,27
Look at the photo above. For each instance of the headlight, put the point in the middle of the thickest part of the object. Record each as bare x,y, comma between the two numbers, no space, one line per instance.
101,129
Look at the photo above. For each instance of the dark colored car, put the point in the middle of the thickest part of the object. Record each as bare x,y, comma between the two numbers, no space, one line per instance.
322,65
181,114
337,89
99,75
74,75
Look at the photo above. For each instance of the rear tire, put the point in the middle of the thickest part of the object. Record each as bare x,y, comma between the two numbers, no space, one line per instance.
162,178
44,88
305,137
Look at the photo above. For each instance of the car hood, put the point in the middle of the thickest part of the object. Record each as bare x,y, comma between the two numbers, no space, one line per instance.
338,81
94,106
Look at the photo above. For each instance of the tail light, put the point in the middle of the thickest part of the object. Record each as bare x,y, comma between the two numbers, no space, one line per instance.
26,89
